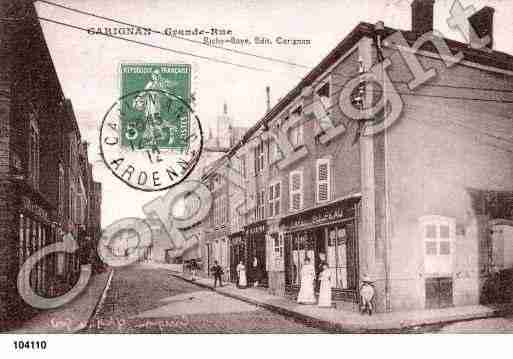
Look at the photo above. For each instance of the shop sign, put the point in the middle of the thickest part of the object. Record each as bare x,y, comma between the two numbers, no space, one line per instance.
321,216
34,208
255,229
328,216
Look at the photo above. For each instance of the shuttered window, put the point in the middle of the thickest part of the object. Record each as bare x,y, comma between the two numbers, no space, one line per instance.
274,199
323,180
296,190
259,157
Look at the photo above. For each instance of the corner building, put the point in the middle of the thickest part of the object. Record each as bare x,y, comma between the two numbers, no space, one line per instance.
422,205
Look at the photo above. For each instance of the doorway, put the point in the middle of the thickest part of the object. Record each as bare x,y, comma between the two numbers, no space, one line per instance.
439,292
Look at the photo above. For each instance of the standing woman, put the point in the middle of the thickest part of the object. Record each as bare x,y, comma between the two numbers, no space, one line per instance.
306,291
325,287
241,275
255,272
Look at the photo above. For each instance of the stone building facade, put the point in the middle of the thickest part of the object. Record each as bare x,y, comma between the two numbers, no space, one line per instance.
39,173
420,202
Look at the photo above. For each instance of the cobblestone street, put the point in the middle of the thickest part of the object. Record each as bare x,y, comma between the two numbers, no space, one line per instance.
143,300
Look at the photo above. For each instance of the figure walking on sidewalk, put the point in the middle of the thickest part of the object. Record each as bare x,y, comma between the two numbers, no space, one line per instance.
218,272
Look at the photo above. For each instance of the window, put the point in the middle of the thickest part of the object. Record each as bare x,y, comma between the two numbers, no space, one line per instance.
296,132
296,190
61,189
278,245
33,167
274,152
259,157
323,180
71,202
324,95
274,199
243,166
260,210
438,234
72,149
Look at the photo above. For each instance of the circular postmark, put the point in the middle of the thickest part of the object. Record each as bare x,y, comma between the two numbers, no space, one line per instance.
151,139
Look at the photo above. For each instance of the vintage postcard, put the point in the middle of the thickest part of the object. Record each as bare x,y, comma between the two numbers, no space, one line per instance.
255,167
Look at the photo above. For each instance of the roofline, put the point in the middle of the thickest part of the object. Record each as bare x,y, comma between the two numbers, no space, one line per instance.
501,61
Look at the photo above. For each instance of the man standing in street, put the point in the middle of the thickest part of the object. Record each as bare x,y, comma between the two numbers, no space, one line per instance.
218,272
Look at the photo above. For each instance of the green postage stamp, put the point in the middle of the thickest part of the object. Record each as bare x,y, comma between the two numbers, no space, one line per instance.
155,115
150,138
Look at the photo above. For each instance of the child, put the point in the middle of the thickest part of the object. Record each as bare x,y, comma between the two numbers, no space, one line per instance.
366,295
325,287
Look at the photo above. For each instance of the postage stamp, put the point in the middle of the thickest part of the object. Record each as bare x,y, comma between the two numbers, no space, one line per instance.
153,120
150,137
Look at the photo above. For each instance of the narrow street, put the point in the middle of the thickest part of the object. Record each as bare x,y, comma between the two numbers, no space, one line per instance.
150,300
143,300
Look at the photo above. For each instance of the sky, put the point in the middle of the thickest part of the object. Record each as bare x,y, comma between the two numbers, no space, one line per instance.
87,64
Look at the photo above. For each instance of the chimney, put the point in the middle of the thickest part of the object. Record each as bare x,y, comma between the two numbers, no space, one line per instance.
482,22
422,16
268,98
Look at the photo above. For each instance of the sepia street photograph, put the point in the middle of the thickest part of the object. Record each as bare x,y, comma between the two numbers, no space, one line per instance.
255,167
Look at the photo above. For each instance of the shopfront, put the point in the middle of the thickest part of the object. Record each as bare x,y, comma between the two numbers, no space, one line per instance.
324,235
237,253
255,245
35,231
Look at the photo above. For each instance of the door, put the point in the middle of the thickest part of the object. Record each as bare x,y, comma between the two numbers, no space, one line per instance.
439,292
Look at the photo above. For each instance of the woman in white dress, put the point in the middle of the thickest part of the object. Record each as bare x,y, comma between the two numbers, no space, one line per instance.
306,292
241,272
325,288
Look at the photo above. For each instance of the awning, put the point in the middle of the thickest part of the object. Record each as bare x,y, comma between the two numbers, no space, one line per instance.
193,252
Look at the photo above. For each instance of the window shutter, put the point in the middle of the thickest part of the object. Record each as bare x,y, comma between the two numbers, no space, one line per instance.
323,180
296,197
277,199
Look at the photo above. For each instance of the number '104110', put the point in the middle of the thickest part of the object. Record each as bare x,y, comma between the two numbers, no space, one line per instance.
29,344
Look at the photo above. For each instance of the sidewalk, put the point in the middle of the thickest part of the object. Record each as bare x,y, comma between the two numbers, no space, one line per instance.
71,317
335,320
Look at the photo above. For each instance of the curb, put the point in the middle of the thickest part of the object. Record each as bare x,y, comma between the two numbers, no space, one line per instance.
100,301
331,327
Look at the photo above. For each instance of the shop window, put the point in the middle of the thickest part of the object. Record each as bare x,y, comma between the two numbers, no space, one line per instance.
337,257
301,248
439,234
274,199
296,190
323,180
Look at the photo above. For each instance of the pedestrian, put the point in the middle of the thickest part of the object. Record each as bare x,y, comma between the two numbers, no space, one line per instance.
319,268
194,269
306,291
241,275
255,272
366,295
325,287
218,272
